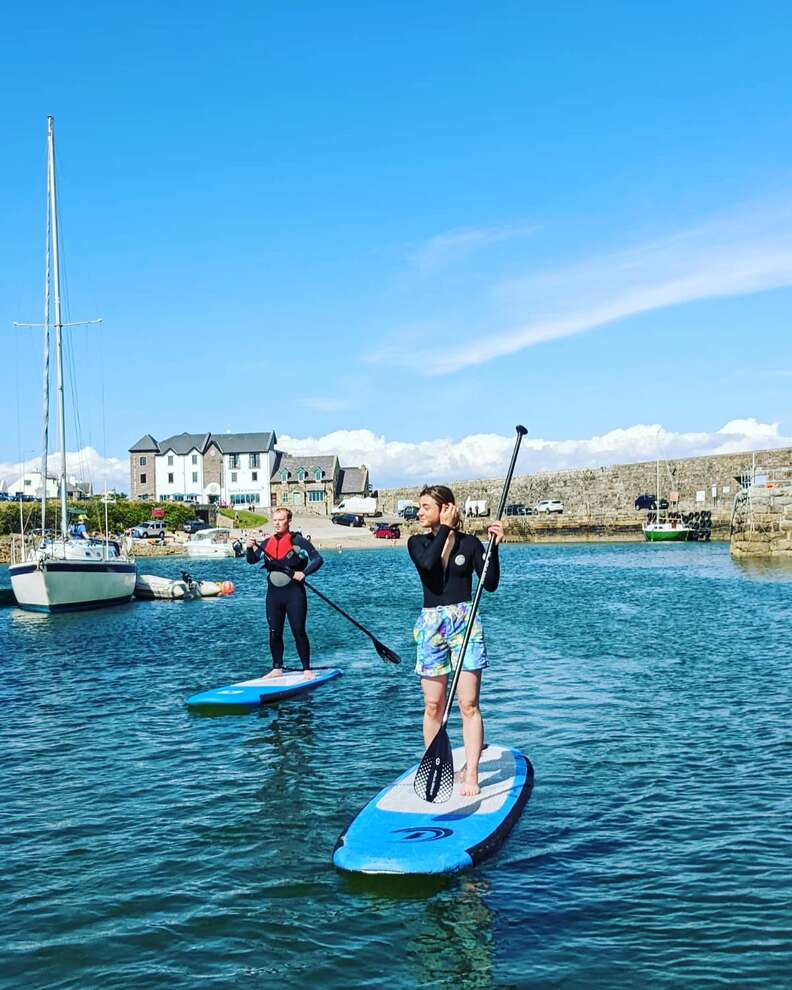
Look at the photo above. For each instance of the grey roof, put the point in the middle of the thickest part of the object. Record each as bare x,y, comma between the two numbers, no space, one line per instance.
354,480
144,444
183,443
293,463
243,443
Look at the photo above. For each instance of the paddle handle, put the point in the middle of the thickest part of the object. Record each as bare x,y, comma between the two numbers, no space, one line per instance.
521,431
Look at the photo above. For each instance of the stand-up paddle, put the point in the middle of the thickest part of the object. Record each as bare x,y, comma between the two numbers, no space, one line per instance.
385,652
434,780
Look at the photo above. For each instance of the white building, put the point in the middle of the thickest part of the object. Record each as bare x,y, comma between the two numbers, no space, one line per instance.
232,468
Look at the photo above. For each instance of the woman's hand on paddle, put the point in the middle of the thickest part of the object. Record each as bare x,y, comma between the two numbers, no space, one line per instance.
496,530
250,543
449,515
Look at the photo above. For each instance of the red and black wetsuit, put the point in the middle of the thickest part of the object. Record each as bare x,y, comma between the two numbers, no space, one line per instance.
287,552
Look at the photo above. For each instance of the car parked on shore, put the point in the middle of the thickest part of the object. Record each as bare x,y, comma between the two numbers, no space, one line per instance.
409,512
151,529
549,505
386,531
347,519
648,502
194,526
518,509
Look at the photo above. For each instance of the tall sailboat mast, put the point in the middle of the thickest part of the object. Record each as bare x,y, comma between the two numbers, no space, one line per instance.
53,205
45,388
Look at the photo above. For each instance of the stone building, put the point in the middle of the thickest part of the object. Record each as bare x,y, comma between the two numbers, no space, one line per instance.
239,469
314,483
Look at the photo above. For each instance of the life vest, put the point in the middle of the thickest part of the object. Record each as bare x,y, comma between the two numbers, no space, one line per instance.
278,547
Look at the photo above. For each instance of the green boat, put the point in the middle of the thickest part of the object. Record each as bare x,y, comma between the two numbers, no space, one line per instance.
665,530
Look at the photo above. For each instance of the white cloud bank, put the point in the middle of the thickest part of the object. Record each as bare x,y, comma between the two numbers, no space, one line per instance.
739,254
480,455
85,465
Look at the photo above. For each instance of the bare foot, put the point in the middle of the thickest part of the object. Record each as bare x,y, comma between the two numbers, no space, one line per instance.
275,672
469,788
309,675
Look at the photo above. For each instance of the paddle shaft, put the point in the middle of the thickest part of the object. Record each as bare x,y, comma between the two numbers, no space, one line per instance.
521,431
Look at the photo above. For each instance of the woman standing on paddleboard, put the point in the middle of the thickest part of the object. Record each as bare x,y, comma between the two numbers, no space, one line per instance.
446,558
290,558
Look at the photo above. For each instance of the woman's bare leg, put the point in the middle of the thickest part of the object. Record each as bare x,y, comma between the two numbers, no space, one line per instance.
434,692
472,728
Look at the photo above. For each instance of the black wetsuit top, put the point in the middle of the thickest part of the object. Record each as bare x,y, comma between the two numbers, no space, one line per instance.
453,584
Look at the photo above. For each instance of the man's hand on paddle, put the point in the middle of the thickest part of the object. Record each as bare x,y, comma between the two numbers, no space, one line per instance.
496,530
298,576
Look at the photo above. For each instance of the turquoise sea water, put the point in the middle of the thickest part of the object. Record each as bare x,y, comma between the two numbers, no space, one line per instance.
143,846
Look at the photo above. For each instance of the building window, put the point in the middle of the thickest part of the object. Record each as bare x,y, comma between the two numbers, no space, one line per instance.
316,496
285,498
28,482
233,476
301,474
142,461
170,478
254,475
284,476
318,474
195,458
233,460
253,460
170,460
195,475
142,479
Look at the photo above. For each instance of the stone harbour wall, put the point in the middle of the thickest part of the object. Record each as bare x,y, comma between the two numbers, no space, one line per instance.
605,495
762,522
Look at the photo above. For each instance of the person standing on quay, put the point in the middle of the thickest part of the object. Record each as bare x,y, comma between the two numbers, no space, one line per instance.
289,559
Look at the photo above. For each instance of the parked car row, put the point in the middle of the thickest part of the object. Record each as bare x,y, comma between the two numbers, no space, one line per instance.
386,531
547,505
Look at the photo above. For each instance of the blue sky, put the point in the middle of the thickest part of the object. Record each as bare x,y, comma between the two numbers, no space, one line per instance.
396,230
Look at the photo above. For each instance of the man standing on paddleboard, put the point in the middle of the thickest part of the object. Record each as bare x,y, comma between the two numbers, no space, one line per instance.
446,558
289,558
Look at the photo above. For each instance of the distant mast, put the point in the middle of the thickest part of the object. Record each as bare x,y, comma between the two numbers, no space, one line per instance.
53,208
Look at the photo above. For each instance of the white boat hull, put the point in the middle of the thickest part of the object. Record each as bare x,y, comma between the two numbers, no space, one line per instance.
71,585
210,550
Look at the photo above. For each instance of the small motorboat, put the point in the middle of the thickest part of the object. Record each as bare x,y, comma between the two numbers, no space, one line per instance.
210,543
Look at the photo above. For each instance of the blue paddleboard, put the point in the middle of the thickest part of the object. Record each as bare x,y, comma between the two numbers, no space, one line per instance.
398,832
261,690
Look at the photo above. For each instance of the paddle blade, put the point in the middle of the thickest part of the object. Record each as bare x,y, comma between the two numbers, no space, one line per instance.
387,655
434,779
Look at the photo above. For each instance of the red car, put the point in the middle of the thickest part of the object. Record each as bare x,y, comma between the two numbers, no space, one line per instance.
387,531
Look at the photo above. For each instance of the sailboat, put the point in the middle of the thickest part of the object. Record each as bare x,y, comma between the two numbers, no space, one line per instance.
59,572
665,530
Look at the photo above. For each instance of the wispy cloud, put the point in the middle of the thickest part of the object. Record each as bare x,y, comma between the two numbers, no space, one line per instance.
454,245
739,254
396,462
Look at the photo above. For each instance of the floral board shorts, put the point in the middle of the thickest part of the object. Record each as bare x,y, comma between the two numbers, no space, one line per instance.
438,634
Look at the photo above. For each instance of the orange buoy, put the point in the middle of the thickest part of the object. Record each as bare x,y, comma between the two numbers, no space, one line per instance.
227,588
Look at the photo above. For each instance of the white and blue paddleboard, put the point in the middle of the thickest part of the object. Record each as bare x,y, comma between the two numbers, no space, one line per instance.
262,690
398,832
